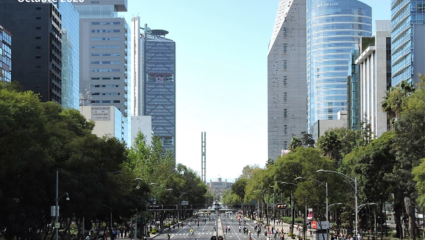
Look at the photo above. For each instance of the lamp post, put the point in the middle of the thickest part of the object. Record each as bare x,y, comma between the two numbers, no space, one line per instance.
57,204
351,181
327,210
292,206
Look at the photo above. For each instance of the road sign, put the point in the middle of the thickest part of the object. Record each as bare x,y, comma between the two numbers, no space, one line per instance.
185,203
57,225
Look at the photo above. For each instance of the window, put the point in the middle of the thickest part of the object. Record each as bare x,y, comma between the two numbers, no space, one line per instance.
105,54
285,81
105,23
285,113
285,129
285,96
38,28
105,86
105,62
37,57
38,18
106,31
285,46
37,47
285,145
37,37
105,39
105,46
38,8
285,32
285,65
105,70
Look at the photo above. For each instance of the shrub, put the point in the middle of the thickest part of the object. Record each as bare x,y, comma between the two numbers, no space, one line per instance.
287,219
153,231
299,220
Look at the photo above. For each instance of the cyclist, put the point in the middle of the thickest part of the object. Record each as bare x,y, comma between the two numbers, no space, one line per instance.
232,219
191,231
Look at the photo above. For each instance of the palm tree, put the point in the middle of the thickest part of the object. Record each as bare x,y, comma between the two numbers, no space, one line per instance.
393,101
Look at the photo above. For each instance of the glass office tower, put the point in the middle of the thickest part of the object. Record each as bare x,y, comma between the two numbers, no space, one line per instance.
407,24
70,55
5,55
333,30
158,98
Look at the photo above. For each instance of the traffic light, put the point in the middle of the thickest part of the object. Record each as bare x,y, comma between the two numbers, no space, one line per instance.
281,206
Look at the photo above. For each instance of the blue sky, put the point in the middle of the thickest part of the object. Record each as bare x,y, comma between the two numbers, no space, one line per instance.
221,76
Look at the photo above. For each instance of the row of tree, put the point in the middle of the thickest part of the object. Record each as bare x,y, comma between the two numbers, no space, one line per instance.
100,174
389,169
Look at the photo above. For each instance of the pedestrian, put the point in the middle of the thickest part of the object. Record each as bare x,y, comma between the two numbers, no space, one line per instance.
265,232
226,229
240,228
118,233
229,228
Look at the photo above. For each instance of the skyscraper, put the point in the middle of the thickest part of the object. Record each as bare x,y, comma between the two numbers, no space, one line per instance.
407,34
36,48
5,55
333,30
154,81
287,90
104,62
70,55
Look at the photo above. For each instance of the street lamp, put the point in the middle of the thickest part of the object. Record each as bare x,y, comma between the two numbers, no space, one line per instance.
351,181
327,209
292,207
57,204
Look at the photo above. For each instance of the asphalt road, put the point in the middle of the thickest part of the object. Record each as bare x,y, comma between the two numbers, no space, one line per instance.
203,232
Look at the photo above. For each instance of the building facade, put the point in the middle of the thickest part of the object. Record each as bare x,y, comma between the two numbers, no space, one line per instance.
334,28
155,93
109,121
104,62
375,77
37,46
5,55
70,55
407,34
141,124
353,91
218,187
286,86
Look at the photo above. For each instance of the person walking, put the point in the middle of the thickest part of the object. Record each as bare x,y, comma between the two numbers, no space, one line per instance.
240,228
228,228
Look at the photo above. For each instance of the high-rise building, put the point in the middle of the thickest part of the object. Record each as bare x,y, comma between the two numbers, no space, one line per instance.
37,46
70,55
287,90
104,63
407,34
5,55
353,91
375,77
159,85
154,81
334,28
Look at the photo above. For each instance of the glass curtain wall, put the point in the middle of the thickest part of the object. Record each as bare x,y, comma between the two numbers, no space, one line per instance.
334,28
160,87
70,55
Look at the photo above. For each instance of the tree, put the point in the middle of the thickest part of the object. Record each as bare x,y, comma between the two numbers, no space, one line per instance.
295,143
269,162
330,145
307,139
238,188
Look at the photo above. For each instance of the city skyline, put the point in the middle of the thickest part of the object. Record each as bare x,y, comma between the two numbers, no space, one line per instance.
222,76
